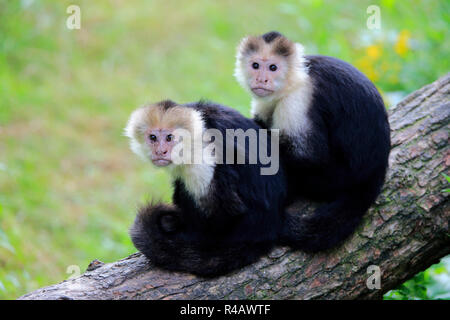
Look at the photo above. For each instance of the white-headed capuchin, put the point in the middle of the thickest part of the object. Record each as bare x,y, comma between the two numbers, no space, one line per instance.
223,216
334,133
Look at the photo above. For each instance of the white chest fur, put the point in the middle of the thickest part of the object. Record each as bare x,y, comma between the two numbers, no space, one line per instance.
289,114
196,177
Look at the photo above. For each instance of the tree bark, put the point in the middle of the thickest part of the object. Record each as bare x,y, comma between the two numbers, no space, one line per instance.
405,232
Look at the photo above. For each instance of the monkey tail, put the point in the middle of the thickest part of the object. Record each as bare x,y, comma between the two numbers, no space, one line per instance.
163,234
330,223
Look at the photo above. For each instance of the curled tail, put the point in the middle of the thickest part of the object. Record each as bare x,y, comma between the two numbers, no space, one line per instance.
162,233
330,223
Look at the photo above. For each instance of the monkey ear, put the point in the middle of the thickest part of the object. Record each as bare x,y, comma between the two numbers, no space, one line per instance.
134,123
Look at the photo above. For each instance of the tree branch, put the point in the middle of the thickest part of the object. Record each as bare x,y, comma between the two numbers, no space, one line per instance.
405,232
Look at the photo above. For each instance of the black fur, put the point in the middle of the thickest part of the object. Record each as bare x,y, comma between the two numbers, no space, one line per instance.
346,155
251,47
270,36
166,104
239,220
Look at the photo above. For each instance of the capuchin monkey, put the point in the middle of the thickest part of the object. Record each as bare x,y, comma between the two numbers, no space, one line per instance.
223,216
334,134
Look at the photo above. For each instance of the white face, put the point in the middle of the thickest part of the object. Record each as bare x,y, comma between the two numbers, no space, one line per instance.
265,75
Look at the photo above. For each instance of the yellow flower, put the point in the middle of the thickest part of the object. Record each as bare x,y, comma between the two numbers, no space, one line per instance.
366,66
374,51
402,44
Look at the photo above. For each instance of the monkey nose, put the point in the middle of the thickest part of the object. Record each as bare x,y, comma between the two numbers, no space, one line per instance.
161,152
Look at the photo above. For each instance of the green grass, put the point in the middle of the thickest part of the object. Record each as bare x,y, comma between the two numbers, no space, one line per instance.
69,186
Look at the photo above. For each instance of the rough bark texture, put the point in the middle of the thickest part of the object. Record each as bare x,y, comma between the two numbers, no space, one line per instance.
405,232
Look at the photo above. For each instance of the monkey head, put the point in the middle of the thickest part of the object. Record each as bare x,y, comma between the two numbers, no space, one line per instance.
266,65
153,130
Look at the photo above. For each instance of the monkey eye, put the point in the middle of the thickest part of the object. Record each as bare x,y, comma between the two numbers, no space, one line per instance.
273,67
152,137
169,137
255,65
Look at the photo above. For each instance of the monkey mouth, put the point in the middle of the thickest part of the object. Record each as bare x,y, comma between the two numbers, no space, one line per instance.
261,92
161,162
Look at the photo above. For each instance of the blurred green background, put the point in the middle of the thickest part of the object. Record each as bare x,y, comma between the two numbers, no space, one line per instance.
69,186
